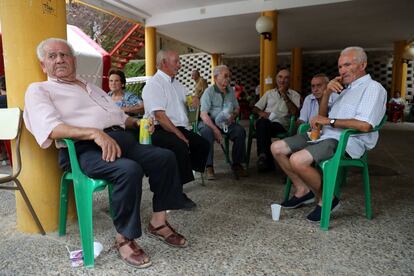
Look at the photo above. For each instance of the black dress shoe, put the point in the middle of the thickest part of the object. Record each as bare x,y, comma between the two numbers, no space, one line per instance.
188,203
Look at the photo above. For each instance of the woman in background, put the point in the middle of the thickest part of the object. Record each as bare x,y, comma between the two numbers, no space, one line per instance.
129,102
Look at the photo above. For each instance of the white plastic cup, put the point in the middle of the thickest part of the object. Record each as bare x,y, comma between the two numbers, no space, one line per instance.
275,211
97,249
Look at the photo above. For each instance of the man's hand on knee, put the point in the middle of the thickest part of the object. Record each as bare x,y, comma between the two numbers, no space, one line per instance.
110,148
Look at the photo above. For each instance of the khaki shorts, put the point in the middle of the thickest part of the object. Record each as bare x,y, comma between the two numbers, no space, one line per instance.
320,151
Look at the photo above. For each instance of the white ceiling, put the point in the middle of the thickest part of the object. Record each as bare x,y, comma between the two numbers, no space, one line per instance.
228,26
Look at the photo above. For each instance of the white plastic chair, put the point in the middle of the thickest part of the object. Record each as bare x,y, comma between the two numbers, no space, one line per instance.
10,129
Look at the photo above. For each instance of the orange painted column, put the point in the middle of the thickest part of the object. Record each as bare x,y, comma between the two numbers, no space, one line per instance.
24,24
399,70
150,51
215,60
268,56
296,70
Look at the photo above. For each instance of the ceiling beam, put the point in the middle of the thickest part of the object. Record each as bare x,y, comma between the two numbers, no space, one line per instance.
229,9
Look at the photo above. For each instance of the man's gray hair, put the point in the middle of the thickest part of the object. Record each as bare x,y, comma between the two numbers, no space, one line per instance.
360,55
217,70
40,50
163,55
323,76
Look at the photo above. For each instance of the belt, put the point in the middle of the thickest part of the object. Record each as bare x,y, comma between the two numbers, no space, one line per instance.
113,128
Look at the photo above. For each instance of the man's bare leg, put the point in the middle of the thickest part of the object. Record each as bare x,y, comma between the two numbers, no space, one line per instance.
301,163
281,151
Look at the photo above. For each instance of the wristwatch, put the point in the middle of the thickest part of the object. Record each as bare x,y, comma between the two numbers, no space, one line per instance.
332,122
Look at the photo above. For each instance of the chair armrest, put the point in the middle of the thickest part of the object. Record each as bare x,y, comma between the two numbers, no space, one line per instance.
303,128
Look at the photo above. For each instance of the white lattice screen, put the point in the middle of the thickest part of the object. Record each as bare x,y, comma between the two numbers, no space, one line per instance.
247,69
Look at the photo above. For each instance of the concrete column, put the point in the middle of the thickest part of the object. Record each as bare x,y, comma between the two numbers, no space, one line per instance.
150,51
296,70
399,70
268,56
215,60
24,24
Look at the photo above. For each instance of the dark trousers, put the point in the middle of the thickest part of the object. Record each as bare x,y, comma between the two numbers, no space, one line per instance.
126,175
189,158
3,101
265,130
236,134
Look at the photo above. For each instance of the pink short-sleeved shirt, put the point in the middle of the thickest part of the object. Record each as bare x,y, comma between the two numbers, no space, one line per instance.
54,102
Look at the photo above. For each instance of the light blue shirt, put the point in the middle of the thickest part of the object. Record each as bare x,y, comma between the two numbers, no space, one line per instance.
364,100
310,107
214,101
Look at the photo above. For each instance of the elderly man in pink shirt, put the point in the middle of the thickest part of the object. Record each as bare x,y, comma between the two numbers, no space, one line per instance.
65,106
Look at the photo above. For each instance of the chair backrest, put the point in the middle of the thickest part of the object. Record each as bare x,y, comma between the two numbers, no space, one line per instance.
193,116
292,126
10,122
10,129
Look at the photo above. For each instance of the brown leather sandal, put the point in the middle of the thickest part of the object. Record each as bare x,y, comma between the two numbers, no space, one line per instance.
136,258
173,238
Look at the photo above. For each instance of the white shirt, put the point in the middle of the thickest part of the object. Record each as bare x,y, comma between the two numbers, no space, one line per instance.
272,102
364,100
164,93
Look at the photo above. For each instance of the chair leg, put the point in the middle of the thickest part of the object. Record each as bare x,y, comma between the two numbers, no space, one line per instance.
330,174
202,179
288,186
29,205
83,196
227,149
249,148
341,181
63,203
367,189
111,210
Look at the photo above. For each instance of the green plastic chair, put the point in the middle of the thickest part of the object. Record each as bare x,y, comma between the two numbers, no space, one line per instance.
226,148
193,116
84,187
334,173
252,134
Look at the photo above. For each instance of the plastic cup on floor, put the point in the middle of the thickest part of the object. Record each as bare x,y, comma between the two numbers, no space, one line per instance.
97,248
275,211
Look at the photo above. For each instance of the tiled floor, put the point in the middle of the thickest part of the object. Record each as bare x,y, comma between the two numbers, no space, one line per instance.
231,232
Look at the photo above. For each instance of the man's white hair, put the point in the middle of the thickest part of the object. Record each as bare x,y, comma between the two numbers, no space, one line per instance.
40,50
163,55
360,55
217,70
